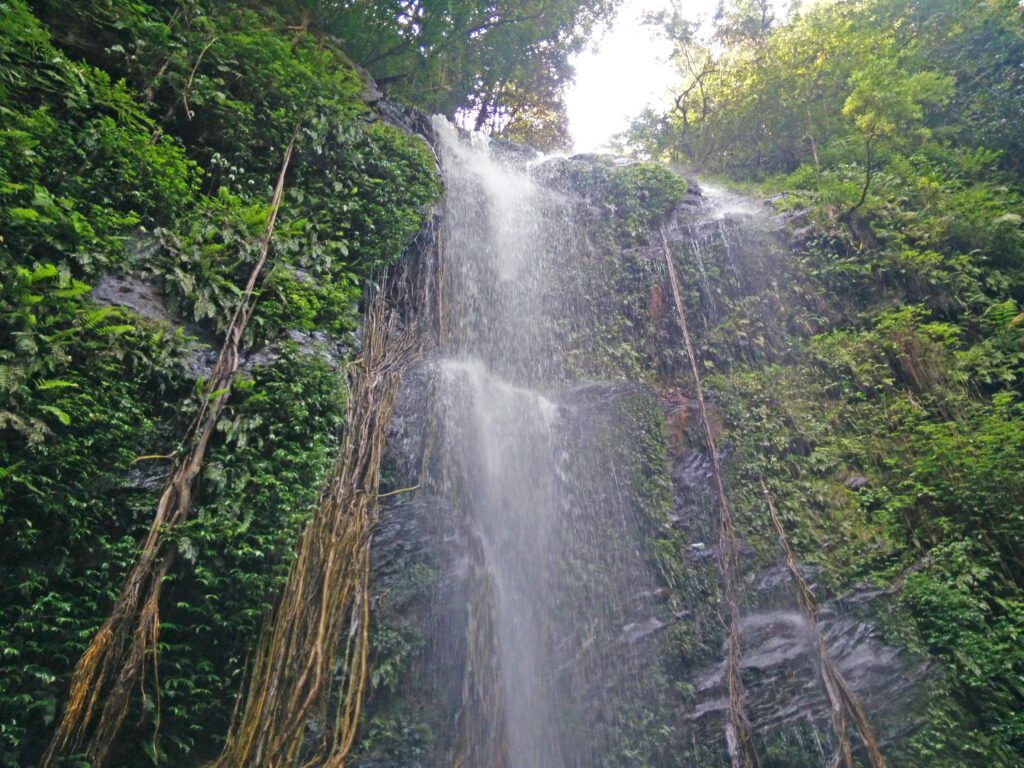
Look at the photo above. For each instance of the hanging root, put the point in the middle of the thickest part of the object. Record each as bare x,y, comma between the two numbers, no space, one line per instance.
845,707
738,731
107,673
325,601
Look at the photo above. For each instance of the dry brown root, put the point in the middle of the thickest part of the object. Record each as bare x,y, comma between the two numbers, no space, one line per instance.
325,602
845,706
112,665
738,731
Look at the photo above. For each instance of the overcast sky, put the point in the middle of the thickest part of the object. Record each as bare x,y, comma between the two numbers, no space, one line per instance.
621,72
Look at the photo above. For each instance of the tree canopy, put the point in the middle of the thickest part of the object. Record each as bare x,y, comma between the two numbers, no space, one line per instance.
500,65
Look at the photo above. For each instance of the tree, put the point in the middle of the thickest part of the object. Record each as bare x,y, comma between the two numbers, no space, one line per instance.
743,21
488,61
887,103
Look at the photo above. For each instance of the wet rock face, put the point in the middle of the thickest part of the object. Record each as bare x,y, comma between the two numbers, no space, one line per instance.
143,299
420,590
405,118
786,701
409,430
315,343
423,530
148,477
132,293
674,632
780,665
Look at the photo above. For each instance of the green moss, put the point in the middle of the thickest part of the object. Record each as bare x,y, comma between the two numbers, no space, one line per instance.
870,397
124,150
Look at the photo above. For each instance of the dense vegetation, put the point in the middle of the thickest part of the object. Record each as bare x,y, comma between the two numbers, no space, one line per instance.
873,378
143,141
499,67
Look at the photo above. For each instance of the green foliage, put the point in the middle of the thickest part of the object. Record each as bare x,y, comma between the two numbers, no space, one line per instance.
392,738
390,732
145,138
882,400
886,102
499,67
77,167
276,443
86,394
396,643
643,193
885,354
640,194
759,97
972,617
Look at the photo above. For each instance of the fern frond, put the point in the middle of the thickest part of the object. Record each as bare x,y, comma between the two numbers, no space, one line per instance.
44,384
33,430
12,420
63,416
95,317
9,470
11,376
77,288
43,272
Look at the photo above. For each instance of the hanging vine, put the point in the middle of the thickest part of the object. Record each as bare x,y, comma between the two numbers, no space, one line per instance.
325,607
845,706
112,665
738,731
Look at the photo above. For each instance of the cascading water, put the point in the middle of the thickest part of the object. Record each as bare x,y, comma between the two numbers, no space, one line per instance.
512,256
554,582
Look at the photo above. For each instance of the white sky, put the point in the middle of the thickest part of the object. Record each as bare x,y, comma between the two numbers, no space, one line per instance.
622,72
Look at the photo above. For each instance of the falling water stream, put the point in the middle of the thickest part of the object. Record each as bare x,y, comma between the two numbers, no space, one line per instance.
550,635
539,505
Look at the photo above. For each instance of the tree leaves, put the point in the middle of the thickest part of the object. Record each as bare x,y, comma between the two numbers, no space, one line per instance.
100,171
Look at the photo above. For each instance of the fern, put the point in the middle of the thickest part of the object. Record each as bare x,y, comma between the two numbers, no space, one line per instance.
11,376
63,416
44,384
96,316
9,470
43,272
33,430
76,289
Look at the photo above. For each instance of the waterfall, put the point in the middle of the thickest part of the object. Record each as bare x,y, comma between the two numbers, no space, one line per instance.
553,585
553,539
